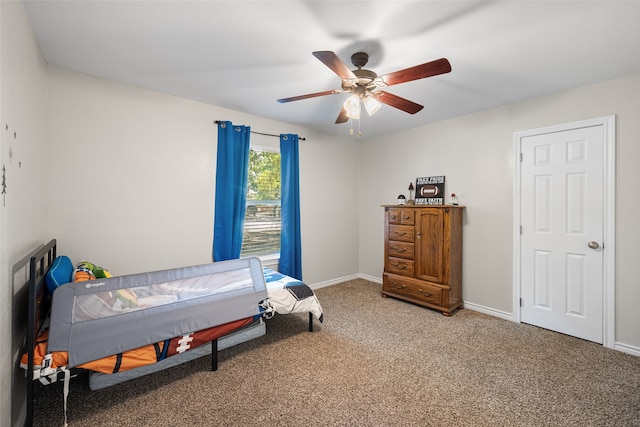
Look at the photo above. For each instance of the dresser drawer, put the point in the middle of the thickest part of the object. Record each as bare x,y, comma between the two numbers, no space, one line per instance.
401,233
400,249
402,216
400,266
421,291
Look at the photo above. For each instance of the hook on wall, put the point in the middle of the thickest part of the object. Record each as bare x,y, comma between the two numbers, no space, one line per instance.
4,186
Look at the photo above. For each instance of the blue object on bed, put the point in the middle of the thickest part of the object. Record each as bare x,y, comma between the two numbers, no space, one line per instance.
271,275
59,273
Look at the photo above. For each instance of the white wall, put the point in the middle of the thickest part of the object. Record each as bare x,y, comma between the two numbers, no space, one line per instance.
133,179
22,209
475,152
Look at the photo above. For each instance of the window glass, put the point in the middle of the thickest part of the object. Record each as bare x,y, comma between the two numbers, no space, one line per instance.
262,218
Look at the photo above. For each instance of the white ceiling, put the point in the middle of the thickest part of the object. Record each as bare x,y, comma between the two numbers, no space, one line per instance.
243,55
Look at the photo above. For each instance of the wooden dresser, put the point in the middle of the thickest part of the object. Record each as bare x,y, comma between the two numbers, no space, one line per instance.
423,255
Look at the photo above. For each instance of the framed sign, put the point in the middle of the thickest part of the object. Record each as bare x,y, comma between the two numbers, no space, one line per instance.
430,190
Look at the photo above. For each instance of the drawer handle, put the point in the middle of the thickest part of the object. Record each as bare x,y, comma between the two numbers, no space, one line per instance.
426,295
399,266
400,234
397,249
395,285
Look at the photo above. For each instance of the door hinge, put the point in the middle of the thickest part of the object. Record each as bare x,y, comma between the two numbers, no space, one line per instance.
521,156
521,302
520,229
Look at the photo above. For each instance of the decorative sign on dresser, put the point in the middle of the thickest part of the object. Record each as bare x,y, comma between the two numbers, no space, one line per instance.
423,255
430,190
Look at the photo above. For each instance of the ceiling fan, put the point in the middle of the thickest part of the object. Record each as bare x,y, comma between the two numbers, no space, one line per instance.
364,84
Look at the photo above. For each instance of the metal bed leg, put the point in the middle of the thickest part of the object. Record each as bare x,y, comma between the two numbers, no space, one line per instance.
30,403
214,355
310,322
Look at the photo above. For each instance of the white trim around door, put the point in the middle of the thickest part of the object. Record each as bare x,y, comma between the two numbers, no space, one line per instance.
609,126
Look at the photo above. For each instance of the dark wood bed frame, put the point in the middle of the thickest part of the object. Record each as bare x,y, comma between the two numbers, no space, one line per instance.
38,311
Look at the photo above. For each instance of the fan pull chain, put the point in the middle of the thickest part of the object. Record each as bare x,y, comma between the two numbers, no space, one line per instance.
351,131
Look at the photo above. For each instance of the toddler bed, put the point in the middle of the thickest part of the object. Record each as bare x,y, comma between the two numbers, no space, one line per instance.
120,328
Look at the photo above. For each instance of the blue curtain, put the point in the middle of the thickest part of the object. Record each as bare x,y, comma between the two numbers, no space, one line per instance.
290,242
232,170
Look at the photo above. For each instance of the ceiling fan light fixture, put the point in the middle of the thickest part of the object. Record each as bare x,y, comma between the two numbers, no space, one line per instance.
371,104
361,82
352,106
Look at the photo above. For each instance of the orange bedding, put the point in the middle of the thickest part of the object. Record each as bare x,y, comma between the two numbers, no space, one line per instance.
141,356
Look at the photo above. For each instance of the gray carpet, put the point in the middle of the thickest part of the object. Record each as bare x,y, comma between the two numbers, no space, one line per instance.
376,362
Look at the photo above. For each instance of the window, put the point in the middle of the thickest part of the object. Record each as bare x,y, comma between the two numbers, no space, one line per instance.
262,222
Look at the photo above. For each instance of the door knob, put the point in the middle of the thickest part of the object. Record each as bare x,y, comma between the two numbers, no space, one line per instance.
593,245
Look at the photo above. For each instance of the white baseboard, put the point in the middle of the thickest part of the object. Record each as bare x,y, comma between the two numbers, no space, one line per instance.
333,282
345,279
626,348
374,279
489,311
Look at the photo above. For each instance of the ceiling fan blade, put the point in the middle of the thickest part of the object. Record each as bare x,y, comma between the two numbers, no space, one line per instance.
309,95
398,102
342,117
332,61
429,69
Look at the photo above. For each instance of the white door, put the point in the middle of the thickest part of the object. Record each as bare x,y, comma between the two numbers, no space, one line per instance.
562,231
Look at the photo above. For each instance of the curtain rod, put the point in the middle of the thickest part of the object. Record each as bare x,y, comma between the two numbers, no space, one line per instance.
266,134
